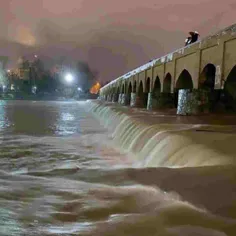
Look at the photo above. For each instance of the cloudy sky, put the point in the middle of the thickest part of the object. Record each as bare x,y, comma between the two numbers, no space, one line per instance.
113,36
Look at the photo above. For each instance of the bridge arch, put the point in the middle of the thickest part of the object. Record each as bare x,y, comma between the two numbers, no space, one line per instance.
141,95
156,91
148,85
207,77
229,90
123,88
184,81
167,83
140,88
116,93
156,86
206,82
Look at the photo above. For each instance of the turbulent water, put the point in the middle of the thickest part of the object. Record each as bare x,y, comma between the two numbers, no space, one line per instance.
82,168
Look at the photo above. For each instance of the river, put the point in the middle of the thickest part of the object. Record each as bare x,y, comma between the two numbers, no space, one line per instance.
69,169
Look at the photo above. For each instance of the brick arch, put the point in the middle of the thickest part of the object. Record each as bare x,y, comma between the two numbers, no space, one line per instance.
148,85
167,83
140,87
118,88
230,83
116,92
184,80
156,85
228,74
156,91
143,83
142,95
190,71
123,88
207,77
154,80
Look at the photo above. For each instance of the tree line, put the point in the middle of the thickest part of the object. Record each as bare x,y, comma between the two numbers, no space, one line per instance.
35,76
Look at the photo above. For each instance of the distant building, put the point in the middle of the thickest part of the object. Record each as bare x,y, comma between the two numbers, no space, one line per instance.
24,73
23,70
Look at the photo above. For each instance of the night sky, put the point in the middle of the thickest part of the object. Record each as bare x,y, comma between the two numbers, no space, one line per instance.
113,36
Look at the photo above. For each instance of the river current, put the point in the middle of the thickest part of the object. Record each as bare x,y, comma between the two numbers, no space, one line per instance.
75,168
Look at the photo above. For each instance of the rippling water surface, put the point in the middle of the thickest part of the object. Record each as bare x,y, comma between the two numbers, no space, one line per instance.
62,173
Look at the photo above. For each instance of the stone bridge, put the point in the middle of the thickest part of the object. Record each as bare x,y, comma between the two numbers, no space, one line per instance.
200,77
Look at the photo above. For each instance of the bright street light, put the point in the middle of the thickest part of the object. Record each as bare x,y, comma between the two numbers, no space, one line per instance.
69,78
79,89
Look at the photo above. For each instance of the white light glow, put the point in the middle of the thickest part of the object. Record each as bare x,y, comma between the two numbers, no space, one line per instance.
69,78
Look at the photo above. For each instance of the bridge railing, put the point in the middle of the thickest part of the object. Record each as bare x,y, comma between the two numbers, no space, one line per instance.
168,57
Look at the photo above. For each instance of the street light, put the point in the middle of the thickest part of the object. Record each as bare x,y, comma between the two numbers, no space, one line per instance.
69,78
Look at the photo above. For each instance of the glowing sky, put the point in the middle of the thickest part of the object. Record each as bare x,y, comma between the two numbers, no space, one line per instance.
113,36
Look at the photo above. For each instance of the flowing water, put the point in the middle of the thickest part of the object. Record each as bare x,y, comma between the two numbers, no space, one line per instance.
82,168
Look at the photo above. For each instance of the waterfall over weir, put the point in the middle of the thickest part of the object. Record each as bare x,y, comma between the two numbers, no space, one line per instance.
154,144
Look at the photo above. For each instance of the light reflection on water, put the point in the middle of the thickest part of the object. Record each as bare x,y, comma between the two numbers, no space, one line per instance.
4,122
38,118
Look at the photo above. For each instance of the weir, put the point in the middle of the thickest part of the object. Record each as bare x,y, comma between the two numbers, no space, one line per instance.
198,78
158,144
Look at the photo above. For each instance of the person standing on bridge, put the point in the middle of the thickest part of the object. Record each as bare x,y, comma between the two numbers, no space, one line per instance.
195,36
188,40
192,38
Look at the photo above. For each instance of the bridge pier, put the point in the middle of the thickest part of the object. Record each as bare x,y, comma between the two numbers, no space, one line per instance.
124,98
187,102
133,100
149,101
120,98
193,102
136,101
